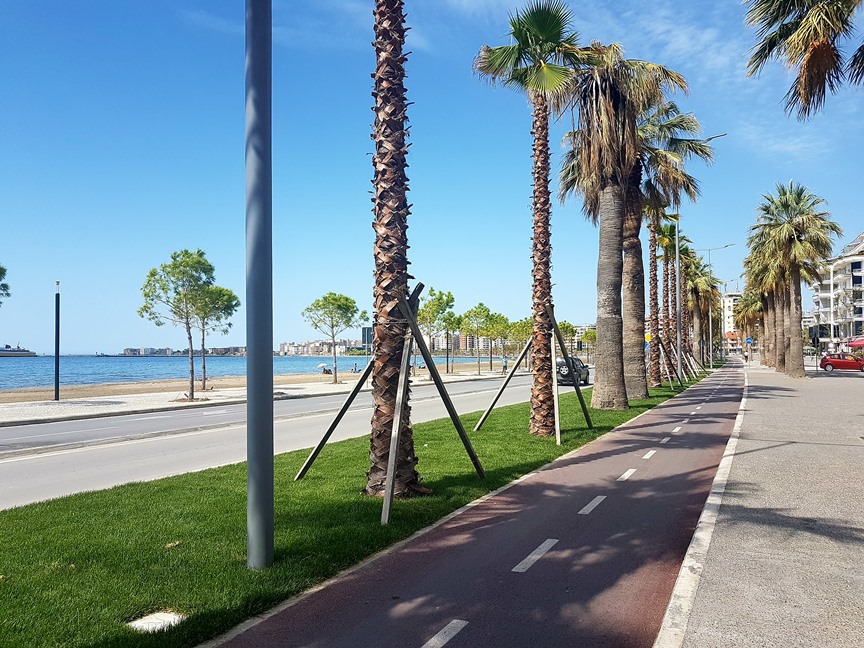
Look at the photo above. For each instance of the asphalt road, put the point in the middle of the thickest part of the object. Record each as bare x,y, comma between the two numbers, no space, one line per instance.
583,553
104,452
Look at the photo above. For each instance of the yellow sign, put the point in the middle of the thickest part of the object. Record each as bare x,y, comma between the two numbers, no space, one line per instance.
647,337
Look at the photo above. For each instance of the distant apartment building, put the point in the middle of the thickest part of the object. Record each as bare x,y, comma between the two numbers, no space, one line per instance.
732,341
838,299
317,347
147,351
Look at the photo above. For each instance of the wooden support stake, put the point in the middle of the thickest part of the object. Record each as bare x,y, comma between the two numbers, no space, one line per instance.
555,405
503,387
569,362
439,384
393,454
314,455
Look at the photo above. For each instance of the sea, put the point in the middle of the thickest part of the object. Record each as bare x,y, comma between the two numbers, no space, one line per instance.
38,371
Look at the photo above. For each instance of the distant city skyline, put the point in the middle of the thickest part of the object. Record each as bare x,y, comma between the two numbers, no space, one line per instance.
125,142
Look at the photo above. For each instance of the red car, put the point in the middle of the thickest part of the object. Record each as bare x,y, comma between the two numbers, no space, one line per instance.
833,361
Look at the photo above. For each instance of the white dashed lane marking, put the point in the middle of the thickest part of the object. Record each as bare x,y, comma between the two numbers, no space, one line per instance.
591,505
535,555
665,439
626,475
649,454
446,634
677,429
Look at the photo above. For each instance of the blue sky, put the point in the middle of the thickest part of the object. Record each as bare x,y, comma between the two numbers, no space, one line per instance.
123,141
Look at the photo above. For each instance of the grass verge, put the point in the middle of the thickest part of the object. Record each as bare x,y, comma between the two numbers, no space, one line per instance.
74,570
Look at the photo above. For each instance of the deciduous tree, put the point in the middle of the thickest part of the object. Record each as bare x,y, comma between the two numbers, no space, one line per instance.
171,293
213,310
332,314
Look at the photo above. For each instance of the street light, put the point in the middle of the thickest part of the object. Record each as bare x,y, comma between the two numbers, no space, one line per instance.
711,304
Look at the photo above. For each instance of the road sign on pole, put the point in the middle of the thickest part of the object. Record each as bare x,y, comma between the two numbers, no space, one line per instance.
749,340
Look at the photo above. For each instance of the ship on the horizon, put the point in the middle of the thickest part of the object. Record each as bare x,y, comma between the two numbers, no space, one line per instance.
15,352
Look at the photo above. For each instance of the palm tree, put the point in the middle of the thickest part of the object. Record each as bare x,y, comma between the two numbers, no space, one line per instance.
390,208
805,34
4,287
701,291
791,228
664,152
609,97
543,54
748,311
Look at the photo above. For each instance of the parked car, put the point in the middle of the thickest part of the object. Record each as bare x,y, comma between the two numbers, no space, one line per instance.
564,377
832,361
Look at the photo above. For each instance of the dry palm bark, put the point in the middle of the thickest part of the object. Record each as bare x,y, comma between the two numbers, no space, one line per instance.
390,207
633,287
654,308
542,408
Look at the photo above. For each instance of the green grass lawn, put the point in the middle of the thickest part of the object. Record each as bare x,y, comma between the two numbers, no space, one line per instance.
73,571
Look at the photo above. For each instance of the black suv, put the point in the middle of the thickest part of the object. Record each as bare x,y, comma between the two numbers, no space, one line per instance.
564,377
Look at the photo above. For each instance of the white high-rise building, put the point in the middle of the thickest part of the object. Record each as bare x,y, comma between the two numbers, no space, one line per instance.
839,298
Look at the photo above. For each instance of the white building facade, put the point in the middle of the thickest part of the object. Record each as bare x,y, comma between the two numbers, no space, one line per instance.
839,298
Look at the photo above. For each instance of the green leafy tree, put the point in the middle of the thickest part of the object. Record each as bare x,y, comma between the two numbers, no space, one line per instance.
540,61
451,323
214,308
589,339
171,293
568,332
4,287
433,307
495,329
521,331
806,36
332,314
474,322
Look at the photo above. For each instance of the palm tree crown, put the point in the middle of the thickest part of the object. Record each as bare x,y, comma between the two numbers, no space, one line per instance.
805,35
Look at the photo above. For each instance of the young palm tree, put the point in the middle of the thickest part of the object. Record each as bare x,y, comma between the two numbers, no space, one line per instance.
791,228
805,34
748,311
390,207
542,57
609,97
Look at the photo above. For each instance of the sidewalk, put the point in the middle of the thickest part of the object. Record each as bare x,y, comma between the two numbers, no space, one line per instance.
79,408
785,566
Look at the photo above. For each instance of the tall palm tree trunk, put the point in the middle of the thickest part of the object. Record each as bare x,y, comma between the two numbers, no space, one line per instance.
654,308
697,329
769,358
390,207
667,312
542,404
633,285
610,392
795,359
787,327
780,329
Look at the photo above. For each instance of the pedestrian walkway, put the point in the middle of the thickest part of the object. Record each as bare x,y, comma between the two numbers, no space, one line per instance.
785,565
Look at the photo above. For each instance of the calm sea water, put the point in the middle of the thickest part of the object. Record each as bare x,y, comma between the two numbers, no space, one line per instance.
90,370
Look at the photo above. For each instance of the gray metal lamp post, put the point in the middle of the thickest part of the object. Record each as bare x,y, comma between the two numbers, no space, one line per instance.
259,285
711,305
57,343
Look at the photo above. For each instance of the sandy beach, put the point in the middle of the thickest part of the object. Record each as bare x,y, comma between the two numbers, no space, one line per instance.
180,387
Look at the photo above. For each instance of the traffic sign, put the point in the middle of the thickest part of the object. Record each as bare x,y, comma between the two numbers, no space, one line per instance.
749,340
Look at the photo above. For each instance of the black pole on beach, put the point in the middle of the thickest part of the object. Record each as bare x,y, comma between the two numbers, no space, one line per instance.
57,343
259,285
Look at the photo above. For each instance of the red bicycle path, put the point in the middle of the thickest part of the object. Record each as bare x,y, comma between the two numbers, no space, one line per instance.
584,552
